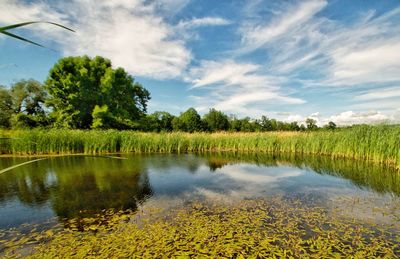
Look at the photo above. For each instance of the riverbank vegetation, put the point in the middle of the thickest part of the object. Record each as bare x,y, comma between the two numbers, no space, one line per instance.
376,143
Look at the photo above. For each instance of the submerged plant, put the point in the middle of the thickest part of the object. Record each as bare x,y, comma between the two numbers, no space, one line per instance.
254,228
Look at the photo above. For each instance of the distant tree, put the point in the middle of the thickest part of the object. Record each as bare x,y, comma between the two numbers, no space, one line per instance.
294,126
23,105
28,97
6,107
265,123
158,121
311,124
234,123
246,125
216,120
330,126
189,121
302,127
274,124
77,85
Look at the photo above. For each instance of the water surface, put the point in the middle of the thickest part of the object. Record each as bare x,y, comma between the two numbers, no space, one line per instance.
62,188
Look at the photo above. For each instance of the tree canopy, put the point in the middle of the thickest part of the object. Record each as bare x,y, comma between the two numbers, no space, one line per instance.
216,120
189,121
89,93
23,104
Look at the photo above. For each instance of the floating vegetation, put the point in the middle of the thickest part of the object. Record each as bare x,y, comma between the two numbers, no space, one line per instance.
256,228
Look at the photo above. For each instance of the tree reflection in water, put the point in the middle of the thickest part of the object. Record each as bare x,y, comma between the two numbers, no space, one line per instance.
82,186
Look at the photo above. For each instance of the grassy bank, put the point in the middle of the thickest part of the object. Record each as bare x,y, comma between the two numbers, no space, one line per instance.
377,143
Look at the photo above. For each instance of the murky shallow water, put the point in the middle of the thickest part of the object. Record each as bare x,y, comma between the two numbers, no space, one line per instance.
62,188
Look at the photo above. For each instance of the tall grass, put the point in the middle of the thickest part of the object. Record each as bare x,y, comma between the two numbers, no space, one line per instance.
377,143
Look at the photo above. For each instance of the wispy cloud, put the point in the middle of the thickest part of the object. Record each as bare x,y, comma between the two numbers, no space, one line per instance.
237,87
187,28
297,39
128,32
384,93
204,21
256,35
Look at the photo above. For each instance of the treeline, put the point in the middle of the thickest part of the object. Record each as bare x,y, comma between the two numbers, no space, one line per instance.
26,105
191,121
86,93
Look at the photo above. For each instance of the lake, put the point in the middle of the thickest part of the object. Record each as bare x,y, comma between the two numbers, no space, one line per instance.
58,189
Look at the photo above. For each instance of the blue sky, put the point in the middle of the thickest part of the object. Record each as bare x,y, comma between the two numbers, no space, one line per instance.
329,60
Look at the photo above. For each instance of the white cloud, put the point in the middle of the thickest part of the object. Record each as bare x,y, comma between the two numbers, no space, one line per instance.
171,7
186,28
296,39
314,51
204,21
255,174
385,93
350,118
376,62
255,36
345,118
129,32
237,87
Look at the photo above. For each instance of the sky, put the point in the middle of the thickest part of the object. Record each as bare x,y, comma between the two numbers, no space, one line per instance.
290,60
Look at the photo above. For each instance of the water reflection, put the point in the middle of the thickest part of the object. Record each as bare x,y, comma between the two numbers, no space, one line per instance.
365,175
79,186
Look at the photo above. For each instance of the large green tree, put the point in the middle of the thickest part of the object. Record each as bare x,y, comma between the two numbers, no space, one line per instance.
88,93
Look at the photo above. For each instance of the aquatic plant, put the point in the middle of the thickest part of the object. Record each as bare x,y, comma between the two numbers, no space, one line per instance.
258,228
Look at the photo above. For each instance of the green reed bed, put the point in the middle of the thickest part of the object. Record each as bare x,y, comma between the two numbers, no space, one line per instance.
377,143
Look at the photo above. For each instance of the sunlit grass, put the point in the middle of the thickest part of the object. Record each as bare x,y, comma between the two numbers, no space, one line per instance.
376,143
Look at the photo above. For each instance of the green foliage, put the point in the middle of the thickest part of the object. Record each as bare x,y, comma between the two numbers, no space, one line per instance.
189,121
376,143
157,122
330,126
311,124
266,124
243,125
77,84
101,117
6,107
22,121
28,97
22,106
216,121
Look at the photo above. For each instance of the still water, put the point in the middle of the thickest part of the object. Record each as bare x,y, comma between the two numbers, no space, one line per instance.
61,188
